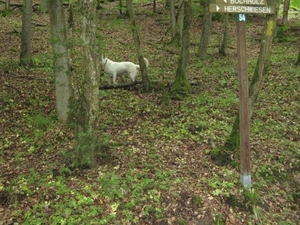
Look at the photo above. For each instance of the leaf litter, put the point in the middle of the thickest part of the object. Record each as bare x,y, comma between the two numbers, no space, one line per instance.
162,171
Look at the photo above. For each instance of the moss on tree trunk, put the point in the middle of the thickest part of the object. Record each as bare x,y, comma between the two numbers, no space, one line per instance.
181,87
145,77
63,89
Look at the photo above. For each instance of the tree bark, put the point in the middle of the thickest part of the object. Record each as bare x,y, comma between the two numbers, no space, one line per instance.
7,5
167,3
120,7
173,19
181,87
154,6
71,15
222,50
63,90
44,6
145,78
25,55
180,20
89,99
260,73
286,7
202,52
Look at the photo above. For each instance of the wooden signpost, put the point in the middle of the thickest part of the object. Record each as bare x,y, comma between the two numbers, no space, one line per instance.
222,8
241,8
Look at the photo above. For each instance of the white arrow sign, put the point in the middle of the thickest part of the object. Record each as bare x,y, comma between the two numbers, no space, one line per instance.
225,1
222,8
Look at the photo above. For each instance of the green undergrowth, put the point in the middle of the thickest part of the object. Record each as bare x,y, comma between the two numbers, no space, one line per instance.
295,4
152,161
112,196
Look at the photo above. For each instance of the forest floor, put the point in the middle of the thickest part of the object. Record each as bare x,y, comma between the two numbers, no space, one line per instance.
158,167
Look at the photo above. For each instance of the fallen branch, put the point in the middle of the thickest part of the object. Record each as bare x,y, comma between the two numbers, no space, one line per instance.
125,85
113,86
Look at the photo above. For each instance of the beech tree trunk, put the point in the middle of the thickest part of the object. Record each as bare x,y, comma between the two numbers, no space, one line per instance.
222,50
167,3
260,73
176,21
7,5
154,6
286,7
89,98
63,90
25,55
173,19
180,20
205,32
181,87
44,6
145,78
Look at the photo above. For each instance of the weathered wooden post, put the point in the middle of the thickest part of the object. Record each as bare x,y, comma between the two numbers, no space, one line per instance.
242,7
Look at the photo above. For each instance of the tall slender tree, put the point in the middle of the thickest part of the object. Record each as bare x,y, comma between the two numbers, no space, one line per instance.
89,97
145,78
180,20
25,55
222,50
202,51
44,6
63,90
181,86
286,7
7,4
173,19
176,20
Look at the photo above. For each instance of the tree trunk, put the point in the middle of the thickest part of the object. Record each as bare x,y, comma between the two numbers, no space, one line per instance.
71,15
179,22
181,87
145,78
63,89
89,98
25,55
222,50
44,6
120,7
167,3
173,19
71,39
7,5
259,75
98,7
286,7
205,32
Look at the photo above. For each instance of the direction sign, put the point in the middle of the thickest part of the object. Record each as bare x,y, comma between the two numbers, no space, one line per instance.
242,2
222,8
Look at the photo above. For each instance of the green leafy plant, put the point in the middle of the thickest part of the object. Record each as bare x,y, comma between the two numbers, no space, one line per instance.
251,197
196,200
220,219
295,4
40,121
222,186
90,151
